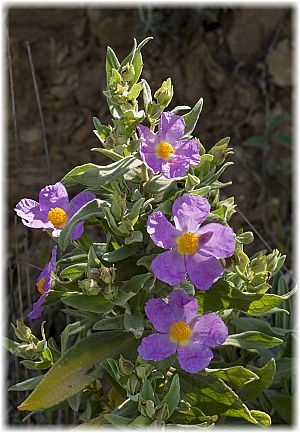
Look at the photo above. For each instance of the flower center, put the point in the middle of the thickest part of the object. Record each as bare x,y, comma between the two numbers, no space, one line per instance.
40,285
180,332
57,217
187,243
164,150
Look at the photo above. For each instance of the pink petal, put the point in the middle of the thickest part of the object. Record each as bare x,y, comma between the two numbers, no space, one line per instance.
169,267
189,211
156,347
220,243
161,231
193,357
203,271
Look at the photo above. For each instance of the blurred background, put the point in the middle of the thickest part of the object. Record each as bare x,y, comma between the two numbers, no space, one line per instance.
239,60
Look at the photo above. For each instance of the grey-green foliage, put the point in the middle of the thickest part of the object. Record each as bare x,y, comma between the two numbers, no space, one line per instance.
105,285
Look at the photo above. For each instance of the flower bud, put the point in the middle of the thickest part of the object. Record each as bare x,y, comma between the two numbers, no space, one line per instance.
28,350
126,367
165,93
89,287
161,412
143,371
108,275
128,72
146,407
133,385
22,332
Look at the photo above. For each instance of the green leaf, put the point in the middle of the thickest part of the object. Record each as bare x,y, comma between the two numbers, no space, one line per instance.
74,271
134,322
261,417
222,296
213,396
95,176
283,405
244,324
172,397
238,376
147,97
102,130
116,322
252,340
107,152
71,329
76,369
93,304
191,118
27,385
112,62
92,208
120,254
265,374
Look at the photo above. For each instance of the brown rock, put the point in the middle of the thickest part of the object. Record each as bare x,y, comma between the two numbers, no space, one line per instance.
251,32
279,64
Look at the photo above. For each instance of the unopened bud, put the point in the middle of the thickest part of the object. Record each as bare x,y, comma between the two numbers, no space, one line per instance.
22,331
161,412
146,407
128,72
133,385
89,287
126,367
165,93
108,275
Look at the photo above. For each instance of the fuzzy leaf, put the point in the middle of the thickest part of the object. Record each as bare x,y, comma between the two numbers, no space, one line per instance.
77,368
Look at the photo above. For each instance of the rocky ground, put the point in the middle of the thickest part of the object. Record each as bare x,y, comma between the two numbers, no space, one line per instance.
239,60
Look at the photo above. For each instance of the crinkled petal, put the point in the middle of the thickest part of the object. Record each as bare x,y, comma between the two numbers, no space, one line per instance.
151,161
149,139
78,231
160,314
203,271
171,127
37,308
169,267
189,211
31,214
161,231
189,149
183,306
220,243
78,201
194,357
209,330
176,166
53,196
157,347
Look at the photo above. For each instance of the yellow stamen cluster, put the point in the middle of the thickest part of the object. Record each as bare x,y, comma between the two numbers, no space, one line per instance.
40,285
180,332
187,243
164,150
57,217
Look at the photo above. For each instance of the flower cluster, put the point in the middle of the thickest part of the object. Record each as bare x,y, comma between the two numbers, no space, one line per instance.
194,249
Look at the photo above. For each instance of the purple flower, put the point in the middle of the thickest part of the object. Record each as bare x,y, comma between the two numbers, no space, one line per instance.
180,330
44,285
194,250
165,152
53,210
